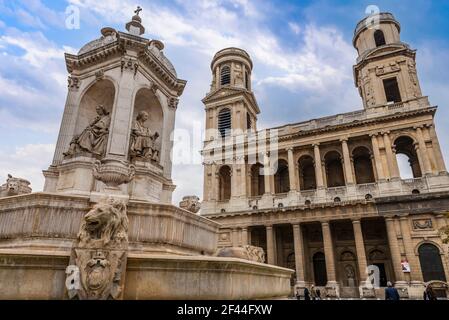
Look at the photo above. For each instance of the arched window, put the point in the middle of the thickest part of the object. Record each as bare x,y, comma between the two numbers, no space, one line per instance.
307,179
379,38
257,180
224,122
225,183
334,170
407,158
247,80
281,178
363,165
319,269
225,75
431,264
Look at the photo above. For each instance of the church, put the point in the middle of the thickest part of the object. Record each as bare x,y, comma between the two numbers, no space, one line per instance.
325,197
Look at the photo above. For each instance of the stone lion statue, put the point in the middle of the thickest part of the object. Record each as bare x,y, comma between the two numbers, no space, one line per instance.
106,223
190,203
14,187
246,252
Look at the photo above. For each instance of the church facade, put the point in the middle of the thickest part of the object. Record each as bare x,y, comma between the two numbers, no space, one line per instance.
325,197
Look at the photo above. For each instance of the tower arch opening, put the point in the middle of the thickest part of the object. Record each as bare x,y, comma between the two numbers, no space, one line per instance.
225,75
407,158
307,179
363,165
257,180
334,170
224,183
224,122
281,177
379,38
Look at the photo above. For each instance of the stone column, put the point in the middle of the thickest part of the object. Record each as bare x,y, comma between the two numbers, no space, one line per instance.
68,123
360,248
347,162
299,255
318,166
415,266
242,178
437,150
391,158
377,158
270,246
394,250
235,237
121,117
330,260
267,173
245,237
291,170
214,182
423,152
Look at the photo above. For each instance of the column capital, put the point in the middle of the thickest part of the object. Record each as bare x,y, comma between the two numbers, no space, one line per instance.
385,133
296,224
356,221
374,134
269,226
418,128
344,140
290,149
315,144
325,223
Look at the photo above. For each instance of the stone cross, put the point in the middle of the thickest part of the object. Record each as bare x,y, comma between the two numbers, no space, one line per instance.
139,9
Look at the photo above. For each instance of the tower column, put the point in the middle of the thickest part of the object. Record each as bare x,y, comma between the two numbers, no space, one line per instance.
299,255
332,285
377,159
394,250
267,173
347,162
423,151
391,157
318,166
437,150
291,170
361,253
270,245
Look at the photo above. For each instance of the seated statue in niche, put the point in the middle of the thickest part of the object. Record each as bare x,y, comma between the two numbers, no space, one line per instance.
143,140
94,138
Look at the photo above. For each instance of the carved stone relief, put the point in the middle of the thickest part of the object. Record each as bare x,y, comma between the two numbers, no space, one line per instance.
14,187
98,260
422,224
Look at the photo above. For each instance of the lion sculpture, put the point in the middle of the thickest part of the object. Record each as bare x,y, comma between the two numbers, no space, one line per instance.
247,252
191,203
15,187
106,223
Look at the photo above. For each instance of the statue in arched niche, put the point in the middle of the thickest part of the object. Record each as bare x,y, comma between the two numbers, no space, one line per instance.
143,139
94,138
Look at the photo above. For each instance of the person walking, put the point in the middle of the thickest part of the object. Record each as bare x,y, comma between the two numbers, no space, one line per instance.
391,293
318,294
429,294
306,294
313,292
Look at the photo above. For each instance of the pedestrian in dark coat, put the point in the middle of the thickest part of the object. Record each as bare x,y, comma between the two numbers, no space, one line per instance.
306,294
391,293
429,294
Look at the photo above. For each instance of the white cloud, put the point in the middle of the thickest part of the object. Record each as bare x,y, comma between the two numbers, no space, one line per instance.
296,29
26,162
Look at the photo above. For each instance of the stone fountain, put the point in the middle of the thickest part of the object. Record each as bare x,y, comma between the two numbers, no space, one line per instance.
104,226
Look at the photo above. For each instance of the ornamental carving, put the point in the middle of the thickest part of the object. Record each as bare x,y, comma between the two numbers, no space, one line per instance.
173,103
98,259
73,82
14,187
422,224
113,172
246,252
190,203
130,64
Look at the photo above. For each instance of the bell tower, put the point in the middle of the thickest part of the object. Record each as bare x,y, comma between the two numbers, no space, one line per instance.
385,72
231,106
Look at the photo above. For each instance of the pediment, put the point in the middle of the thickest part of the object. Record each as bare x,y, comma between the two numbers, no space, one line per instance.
392,48
230,92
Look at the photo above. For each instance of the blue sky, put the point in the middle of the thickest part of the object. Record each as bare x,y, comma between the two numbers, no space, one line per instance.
302,53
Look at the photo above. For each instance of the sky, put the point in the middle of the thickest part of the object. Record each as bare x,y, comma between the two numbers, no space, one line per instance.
302,53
